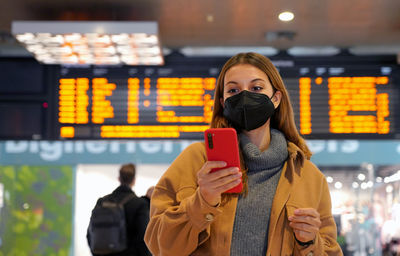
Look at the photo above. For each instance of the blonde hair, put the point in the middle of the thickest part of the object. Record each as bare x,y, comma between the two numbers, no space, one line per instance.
282,119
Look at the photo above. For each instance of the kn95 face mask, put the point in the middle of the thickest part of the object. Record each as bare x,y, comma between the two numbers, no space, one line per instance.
248,110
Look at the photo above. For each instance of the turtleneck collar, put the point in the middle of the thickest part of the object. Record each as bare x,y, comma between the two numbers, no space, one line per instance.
272,157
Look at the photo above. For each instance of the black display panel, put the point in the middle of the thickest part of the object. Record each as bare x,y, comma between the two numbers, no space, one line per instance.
21,76
21,120
333,98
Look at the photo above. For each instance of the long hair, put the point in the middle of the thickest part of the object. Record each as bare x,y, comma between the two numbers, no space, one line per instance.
283,117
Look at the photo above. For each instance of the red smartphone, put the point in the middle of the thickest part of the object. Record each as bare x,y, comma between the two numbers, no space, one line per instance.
222,145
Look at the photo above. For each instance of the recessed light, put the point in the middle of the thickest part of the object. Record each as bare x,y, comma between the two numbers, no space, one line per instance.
210,18
286,16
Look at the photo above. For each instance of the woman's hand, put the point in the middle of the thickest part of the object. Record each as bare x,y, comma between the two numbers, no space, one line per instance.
213,184
305,223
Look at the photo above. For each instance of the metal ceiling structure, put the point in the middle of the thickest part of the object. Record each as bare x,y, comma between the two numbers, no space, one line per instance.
372,25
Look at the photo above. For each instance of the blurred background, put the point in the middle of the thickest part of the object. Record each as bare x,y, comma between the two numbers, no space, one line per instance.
86,86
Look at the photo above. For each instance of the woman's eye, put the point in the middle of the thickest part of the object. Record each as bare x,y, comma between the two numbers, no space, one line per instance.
233,90
257,88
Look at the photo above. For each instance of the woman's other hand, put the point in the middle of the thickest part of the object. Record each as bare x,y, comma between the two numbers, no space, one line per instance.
305,223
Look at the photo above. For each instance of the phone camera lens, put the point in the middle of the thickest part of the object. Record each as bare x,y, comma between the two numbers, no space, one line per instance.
210,141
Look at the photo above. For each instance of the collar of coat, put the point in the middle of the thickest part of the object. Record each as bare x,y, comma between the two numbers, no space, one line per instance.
296,156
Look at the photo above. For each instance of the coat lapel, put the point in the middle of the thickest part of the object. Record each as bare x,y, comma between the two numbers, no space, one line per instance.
285,187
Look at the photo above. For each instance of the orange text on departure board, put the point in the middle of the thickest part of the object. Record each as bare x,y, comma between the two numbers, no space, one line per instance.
184,92
305,106
356,106
170,93
148,131
101,107
73,101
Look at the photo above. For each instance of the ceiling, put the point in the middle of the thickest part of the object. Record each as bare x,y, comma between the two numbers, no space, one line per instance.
341,23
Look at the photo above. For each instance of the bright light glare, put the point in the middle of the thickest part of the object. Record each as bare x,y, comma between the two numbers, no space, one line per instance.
361,176
286,16
392,178
364,185
329,179
92,48
338,185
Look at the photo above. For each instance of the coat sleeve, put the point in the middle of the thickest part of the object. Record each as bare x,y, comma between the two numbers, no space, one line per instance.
325,242
179,216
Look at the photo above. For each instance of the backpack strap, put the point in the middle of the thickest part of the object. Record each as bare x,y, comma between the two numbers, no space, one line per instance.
126,199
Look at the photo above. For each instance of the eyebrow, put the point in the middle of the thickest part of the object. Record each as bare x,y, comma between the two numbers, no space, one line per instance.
252,81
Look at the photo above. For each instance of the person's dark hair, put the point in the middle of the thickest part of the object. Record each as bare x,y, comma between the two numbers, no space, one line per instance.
127,173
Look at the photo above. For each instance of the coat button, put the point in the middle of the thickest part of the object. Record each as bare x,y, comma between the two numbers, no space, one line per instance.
209,217
310,254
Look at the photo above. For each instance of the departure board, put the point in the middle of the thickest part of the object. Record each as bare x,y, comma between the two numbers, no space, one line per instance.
170,107
331,100
359,106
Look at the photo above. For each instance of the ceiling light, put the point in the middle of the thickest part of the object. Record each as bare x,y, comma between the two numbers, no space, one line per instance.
97,43
227,51
375,50
286,16
314,51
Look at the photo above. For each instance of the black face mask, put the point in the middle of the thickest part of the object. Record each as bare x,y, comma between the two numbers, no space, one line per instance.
248,110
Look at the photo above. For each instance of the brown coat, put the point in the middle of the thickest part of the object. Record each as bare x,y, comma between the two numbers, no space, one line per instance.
182,223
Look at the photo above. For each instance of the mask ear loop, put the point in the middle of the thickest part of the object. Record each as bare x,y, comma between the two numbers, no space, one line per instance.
272,96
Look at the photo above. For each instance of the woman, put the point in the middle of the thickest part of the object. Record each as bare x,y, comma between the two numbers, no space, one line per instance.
285,207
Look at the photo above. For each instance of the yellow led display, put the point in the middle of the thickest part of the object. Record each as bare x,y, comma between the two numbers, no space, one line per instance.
184,92
175,107
101,107
305,106
356,106
73,101
170,93
67,132
133,101
148,131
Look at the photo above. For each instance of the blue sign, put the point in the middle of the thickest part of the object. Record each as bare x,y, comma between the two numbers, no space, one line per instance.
326,152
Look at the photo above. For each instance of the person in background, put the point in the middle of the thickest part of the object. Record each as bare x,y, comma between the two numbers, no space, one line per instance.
136,212
285,206
149,192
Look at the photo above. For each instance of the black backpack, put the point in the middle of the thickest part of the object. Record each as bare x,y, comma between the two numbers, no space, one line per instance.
107,227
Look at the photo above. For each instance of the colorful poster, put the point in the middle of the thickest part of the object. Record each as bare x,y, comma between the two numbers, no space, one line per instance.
36,206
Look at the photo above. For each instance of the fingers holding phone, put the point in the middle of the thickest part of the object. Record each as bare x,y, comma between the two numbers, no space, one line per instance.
213,184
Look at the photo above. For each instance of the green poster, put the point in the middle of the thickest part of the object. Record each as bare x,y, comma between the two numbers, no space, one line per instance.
36,210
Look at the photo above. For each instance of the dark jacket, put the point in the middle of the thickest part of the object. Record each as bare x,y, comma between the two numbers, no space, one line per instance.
137,214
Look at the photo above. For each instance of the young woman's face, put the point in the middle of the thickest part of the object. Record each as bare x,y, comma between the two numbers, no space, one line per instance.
246,77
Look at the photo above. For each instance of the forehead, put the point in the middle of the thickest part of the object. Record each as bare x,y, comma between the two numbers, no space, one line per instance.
244,71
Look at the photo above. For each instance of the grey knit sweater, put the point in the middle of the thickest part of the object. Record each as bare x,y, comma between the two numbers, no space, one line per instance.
250,230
